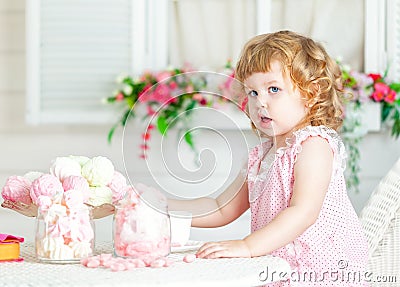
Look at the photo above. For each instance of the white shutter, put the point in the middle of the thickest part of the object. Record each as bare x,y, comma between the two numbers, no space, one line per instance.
77,48
382,36
393,38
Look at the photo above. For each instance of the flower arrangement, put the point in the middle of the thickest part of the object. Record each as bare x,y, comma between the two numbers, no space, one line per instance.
365,88
377,88
169,97
71,182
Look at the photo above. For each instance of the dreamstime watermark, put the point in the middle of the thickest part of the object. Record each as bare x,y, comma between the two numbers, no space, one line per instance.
339,275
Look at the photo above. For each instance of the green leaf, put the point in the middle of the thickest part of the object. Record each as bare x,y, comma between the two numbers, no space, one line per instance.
395,87
385,111
191,105
189,139
396,124
162,125
125,117
111,132
111,99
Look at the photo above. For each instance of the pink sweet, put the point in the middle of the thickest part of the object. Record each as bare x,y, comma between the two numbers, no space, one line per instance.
168,262
81,228
62,167
117,267
78,183
47,185
158,263
17,188
105,257
73,199
189,258
118,186
44,202
93,263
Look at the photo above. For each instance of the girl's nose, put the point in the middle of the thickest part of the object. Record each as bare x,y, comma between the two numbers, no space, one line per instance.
262,101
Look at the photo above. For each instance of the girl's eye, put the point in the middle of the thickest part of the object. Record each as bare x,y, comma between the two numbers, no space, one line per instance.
273,89
253,93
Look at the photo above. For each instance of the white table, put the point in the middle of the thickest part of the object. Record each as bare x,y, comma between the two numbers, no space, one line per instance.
202,272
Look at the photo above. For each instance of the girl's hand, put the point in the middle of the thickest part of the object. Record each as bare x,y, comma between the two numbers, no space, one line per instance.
231,248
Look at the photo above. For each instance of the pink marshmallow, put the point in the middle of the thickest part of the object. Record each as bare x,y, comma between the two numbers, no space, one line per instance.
158,263
47,185
93,263
189,258
117,267
118,186
17,189
78,183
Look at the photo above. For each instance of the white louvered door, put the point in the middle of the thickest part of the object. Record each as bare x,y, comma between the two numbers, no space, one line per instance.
77,48
393,38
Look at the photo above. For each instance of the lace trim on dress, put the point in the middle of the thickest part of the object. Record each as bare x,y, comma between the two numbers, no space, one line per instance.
329,134
256,176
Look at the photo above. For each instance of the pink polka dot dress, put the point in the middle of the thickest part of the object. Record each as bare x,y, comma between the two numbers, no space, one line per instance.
333,250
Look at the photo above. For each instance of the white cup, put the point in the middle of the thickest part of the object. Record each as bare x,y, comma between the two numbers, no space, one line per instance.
180,227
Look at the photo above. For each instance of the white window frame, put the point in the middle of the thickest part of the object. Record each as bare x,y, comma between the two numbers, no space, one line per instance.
152,55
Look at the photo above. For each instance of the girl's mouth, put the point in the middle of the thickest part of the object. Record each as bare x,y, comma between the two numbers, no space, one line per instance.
265,119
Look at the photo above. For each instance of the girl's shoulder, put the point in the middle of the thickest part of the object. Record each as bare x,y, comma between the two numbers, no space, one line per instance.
329,136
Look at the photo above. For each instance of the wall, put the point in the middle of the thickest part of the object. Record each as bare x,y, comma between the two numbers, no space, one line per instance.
24,148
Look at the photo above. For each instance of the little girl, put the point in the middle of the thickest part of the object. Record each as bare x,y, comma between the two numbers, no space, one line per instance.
294,186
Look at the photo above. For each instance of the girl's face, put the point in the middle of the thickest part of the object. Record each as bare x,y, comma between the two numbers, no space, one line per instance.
275,106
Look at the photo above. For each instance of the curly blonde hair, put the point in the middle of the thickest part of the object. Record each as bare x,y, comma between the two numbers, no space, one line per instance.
311,69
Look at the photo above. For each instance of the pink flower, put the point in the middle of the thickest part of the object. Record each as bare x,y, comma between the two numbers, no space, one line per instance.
163,76
119,97
17,188
161,94
47,185
173,85
146,136
390,97
145,95
79,184
189,89
380,91
117,186
150,111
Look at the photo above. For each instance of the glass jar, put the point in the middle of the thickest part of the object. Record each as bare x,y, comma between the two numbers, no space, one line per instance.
64,235
141,231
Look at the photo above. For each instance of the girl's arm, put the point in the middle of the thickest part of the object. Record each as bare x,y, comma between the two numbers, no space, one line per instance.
312,173
215,212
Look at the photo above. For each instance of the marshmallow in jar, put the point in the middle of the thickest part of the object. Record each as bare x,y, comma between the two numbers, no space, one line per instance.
63,234
141,225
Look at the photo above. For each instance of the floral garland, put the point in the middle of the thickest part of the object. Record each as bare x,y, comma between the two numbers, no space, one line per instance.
169,94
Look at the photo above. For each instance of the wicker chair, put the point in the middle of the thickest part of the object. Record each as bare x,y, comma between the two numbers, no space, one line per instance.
381,222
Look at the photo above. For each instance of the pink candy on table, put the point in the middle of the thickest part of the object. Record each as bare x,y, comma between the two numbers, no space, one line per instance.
189,258
122,264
